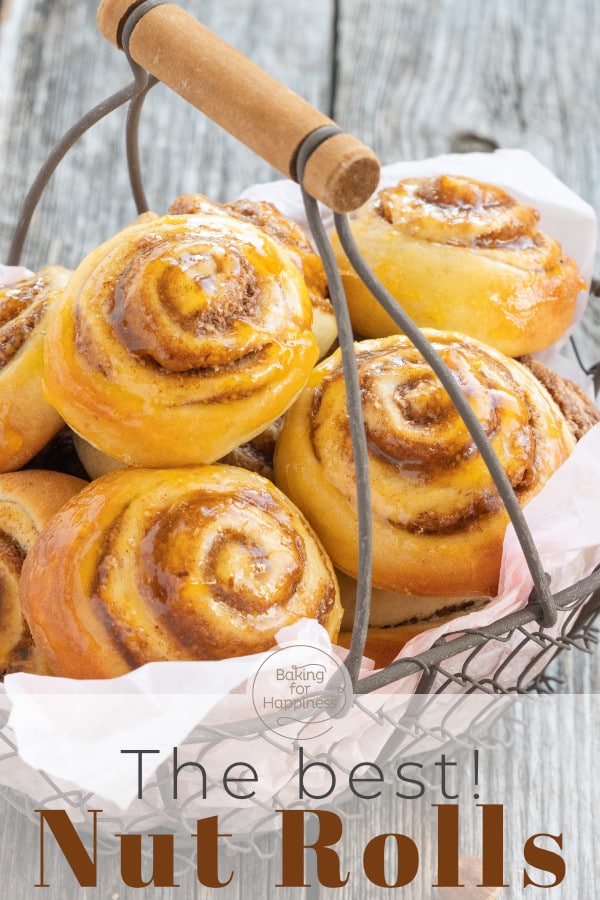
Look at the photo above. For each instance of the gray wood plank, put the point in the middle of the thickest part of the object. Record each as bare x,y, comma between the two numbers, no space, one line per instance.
65,66
420,79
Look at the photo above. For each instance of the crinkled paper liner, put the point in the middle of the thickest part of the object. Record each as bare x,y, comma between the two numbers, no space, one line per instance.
75,731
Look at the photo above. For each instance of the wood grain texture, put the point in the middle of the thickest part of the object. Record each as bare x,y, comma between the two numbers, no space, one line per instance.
420,79
412,78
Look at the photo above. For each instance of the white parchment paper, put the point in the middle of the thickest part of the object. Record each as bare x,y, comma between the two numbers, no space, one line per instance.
76,730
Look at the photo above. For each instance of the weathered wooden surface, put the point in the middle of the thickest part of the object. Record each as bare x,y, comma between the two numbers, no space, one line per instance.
419,79
411,77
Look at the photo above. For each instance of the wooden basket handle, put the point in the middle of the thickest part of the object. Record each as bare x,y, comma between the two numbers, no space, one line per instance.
243,99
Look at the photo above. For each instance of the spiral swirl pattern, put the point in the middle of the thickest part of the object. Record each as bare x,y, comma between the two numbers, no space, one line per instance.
288,235
438,518
28,500
179,339
197,563
27,422
462,255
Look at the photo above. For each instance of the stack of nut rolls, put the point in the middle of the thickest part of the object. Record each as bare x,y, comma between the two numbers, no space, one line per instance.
218,504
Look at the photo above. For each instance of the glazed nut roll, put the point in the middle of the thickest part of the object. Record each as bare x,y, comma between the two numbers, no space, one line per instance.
179,339
292,239
256,454
28,500
465,256
147,565
27,421
438,520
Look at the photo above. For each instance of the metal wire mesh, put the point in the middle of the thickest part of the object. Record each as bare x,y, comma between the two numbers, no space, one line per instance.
525,643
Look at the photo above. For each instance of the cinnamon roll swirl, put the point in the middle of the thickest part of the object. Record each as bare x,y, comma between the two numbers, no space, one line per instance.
28,500
288,235
437,517
179,339
464,256
27,422
176,564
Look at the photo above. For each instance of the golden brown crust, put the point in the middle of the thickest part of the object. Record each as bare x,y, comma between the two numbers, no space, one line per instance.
580,412
383,645
27,422
179,339
198,563
288,235
28,500
59,455
461,255
471,873
397,618
257,454
437,517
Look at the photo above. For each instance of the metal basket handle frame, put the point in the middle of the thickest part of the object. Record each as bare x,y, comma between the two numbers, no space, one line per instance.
335,168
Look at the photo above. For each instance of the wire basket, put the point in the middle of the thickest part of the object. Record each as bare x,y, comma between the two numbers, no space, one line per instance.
527,641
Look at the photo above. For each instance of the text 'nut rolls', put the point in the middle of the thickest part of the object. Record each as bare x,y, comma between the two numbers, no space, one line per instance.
461,255
27,422
438,521
179,339
146,565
